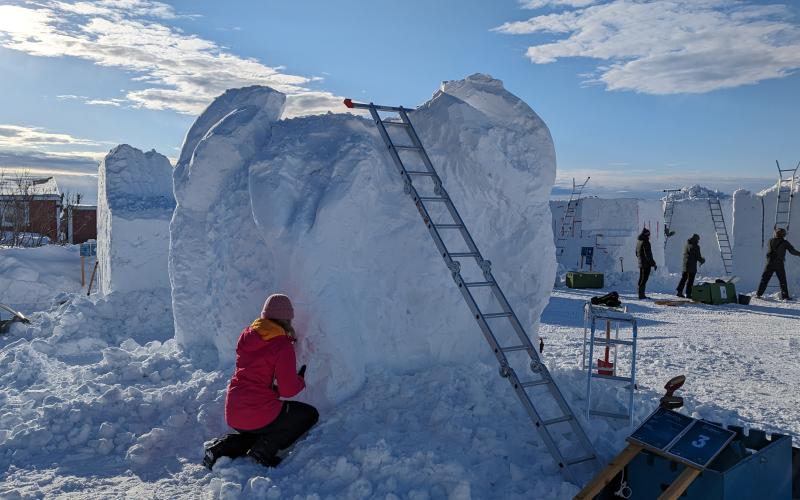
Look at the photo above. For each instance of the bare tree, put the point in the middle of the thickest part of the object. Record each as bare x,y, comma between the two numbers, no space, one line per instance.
16,194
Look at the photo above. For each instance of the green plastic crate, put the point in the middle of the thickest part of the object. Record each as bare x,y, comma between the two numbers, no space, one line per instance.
714,293
577,279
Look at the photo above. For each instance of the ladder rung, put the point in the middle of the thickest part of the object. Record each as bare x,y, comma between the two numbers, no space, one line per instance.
514,348
463,254
479,283
420,172
432,198
552,421
497,315
609,414
534,383
399,124
448,226
580,460
406,148
611,377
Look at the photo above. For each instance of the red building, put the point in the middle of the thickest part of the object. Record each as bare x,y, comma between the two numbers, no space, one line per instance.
29,205
81,221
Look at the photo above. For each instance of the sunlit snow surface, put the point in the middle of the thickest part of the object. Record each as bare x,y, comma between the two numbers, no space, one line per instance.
91,413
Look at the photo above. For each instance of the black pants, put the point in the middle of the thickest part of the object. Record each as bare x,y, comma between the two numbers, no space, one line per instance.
687,279
767,275
644,275
294,420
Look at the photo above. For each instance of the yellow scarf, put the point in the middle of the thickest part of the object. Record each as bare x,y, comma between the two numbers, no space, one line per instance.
267,329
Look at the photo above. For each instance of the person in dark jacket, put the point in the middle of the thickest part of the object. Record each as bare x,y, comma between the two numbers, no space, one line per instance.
691,256
646,262
257,404
776,255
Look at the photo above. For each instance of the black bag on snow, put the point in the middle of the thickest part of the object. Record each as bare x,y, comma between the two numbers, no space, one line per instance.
611,299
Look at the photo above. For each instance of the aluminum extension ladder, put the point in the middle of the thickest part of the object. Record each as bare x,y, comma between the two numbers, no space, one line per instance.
783,205
567,221
669,211
723,241
577,468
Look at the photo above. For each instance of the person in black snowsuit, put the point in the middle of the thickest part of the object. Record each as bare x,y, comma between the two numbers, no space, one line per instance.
646,261
691,256
776,255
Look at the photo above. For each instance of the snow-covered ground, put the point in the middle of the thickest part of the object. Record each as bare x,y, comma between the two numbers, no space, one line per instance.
89,412
30,278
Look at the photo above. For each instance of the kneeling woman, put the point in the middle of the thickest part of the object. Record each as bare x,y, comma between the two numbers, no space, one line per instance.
265,373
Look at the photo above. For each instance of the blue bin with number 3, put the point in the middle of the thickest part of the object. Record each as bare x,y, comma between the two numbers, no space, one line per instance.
752,466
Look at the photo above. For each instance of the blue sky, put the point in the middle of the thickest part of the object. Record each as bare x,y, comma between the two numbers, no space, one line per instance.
641,95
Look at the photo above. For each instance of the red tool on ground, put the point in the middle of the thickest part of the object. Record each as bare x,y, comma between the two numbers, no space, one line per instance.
604,366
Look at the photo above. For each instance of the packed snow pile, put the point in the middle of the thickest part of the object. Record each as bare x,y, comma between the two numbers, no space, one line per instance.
313,207
30,278
135,203
696,192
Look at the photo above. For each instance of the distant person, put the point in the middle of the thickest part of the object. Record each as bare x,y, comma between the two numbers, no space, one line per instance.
646,262
776,255
265,373
691,256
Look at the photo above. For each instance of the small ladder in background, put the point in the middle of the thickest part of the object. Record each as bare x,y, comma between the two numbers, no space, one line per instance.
723,241
567,221
783,206
669,211
576,468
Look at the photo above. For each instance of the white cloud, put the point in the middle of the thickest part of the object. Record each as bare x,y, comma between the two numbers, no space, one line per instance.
180,72
17,136
538,4
670,46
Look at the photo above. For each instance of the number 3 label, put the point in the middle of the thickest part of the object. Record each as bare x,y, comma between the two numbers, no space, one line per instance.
701,441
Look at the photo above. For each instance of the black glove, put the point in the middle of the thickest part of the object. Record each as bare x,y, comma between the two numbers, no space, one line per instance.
302,371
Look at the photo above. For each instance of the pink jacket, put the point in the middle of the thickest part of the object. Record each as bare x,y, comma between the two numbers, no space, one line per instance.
265,372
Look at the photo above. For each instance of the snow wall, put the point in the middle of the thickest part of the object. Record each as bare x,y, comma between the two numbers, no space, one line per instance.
611,227
313,207
754,220
134,206
692,216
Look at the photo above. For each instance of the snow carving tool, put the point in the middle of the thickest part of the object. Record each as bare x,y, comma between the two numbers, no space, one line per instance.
558,426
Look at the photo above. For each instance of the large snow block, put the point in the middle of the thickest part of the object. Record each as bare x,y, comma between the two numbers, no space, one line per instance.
693,216
314,208
611,227
135,203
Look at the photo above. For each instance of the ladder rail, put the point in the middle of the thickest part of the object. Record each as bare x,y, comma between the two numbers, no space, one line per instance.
721,231
454,266
785,196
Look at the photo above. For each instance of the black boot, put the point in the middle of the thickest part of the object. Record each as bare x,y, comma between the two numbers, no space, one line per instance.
265,453
232,445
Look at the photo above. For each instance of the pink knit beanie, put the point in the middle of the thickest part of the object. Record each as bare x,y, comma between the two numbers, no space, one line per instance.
278,306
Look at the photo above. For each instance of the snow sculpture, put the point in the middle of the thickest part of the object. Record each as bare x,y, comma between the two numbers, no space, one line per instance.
134,206
313,207
754,220
611,227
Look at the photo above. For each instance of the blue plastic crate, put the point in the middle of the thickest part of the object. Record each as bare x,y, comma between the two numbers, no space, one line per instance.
751,467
